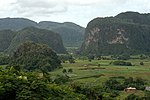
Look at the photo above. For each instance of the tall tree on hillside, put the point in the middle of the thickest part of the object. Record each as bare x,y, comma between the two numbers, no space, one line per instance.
32,56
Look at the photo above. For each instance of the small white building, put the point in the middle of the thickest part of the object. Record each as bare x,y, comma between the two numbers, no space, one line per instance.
147,88
130,89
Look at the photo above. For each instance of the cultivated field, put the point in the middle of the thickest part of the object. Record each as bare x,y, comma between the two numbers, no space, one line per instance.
98,71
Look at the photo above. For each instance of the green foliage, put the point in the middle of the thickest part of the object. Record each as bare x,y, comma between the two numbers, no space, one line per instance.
61,79
65,58
122,63
116,35
37,35
71,60
132,97
64,71
4,60
115,84
31,56
141,63
147,95
71,33
15,23
17,85
137,83
91,92
121,57
5,39
70,70
94,92
135,17
91,57
29,86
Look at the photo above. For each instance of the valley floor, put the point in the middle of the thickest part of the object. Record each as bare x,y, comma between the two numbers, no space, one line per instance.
98,71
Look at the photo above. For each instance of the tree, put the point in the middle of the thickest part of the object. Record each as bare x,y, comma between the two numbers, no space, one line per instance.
71,60
91,57
31,56
132,97
70,70
15,87
122,63
64,71
141,63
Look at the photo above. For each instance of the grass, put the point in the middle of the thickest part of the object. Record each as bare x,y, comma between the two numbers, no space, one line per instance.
90,72
84,68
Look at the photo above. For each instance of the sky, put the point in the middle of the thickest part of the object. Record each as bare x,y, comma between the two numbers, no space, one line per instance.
77,11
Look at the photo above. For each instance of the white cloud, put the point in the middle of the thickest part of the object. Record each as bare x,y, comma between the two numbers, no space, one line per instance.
79,11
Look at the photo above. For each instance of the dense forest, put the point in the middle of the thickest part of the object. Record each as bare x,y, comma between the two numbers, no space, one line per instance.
71,33
111,64
126,33
14,39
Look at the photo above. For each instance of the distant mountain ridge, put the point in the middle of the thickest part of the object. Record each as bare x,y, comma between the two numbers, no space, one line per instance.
15,23
126,33
71,33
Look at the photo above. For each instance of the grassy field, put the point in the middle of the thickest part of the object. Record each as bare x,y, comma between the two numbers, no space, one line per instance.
83,69
98,71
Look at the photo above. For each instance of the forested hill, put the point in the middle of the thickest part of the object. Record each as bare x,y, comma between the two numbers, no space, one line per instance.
126,33
15,23
5,39
36,35
135,17
71,33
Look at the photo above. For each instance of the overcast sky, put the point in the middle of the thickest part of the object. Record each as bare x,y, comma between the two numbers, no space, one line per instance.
77,11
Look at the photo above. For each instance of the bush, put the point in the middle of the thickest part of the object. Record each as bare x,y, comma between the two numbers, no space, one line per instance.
71,60
4,60
14,87
61,79
132,97
141,63
91,57
122,63
70,70
65,58
64,71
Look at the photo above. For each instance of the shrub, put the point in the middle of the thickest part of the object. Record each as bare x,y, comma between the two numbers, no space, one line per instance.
64,71
141,63
71,60
70,70
122,63
132,97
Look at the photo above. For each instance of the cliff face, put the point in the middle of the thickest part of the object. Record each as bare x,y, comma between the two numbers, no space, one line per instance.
117,35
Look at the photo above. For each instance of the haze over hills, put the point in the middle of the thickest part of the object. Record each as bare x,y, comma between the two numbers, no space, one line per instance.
15,23
71,33
11,40
126,33
5,39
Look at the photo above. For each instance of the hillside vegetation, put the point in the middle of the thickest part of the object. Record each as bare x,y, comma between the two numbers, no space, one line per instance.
6,37
71,33
36,35
126,33
10,40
